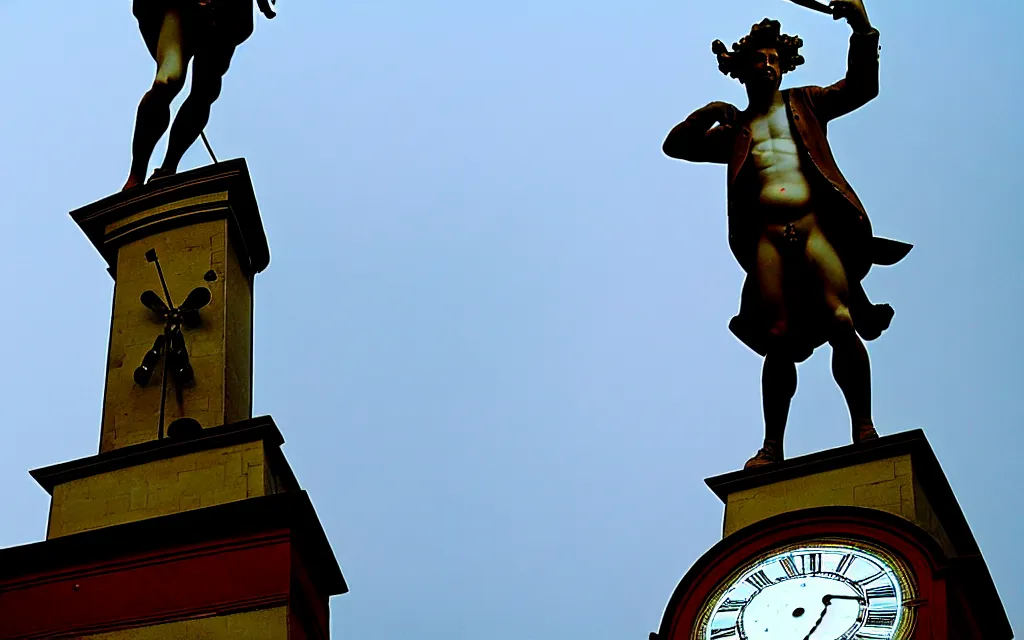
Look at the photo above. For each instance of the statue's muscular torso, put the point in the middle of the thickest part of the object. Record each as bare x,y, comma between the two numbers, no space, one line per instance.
784,194
790,233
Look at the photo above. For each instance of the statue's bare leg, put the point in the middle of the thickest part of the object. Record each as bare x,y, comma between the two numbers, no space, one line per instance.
778,385
154,113
850,364
778,375
208,68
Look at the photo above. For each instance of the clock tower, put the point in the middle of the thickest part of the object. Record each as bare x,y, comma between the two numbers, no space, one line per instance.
863,542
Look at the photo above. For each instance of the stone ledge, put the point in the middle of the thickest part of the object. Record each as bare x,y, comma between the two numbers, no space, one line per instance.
222,190
260,428
293,510
899,448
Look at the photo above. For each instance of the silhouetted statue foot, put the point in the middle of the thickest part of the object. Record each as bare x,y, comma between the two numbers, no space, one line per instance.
133,181
864,433
172,30
770,453
160,172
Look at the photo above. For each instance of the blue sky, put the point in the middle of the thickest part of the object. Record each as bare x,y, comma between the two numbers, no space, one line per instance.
494,327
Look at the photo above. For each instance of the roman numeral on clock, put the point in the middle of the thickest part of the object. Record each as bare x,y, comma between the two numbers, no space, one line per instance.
790,567
880,619
759,580
725,632
844,564
887,591
866,581
732,605
810,563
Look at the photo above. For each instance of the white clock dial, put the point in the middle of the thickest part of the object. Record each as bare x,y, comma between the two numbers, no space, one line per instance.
813,592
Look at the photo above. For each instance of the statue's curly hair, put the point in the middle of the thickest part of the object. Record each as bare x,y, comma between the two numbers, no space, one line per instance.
764,35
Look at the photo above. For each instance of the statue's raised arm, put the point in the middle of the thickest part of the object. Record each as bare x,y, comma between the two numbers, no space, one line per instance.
860,85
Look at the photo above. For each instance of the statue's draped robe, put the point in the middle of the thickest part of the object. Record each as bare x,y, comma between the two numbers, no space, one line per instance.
221,23
839,211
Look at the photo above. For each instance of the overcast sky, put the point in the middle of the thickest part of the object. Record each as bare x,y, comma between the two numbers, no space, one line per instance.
494,327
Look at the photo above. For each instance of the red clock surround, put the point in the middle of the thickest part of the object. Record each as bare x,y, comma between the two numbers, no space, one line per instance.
944,609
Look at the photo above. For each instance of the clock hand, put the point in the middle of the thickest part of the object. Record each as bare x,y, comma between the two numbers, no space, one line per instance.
827,600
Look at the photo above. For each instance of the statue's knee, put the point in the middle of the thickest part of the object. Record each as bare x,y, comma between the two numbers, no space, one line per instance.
168,82
842,321
206,90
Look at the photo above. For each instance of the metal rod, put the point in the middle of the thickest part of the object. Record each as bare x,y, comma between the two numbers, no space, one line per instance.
163,283
163,383
208,147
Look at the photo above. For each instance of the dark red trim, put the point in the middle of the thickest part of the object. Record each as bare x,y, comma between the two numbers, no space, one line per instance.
292,510
915,546
188,583
252,554
310,606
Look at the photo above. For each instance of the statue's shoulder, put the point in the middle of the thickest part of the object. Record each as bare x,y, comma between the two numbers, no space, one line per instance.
804,90
804,95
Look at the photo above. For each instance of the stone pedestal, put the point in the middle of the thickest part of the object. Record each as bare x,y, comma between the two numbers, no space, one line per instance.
224,464
898,474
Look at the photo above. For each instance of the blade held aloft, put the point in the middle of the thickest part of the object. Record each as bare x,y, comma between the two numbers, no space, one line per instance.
812,4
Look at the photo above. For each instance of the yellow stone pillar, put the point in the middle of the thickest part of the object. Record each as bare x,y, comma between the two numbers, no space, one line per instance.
206,231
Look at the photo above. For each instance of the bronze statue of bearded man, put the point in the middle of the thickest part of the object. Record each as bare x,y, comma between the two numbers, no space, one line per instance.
795,224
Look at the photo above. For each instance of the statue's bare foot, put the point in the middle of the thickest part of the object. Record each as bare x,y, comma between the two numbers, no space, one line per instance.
770,453
864,433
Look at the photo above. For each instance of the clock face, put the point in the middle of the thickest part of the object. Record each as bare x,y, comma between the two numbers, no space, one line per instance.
826,591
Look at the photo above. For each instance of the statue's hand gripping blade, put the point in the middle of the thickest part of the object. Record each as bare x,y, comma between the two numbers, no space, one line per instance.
812,4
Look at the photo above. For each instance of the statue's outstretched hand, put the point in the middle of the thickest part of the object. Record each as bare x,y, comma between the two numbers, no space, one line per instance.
267,7
854,12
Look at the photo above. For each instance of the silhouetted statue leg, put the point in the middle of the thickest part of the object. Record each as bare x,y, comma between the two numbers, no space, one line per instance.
208,69
851,366
778,385
778,375
154,113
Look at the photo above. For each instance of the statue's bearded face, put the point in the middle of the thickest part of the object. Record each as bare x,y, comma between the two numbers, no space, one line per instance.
763,70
